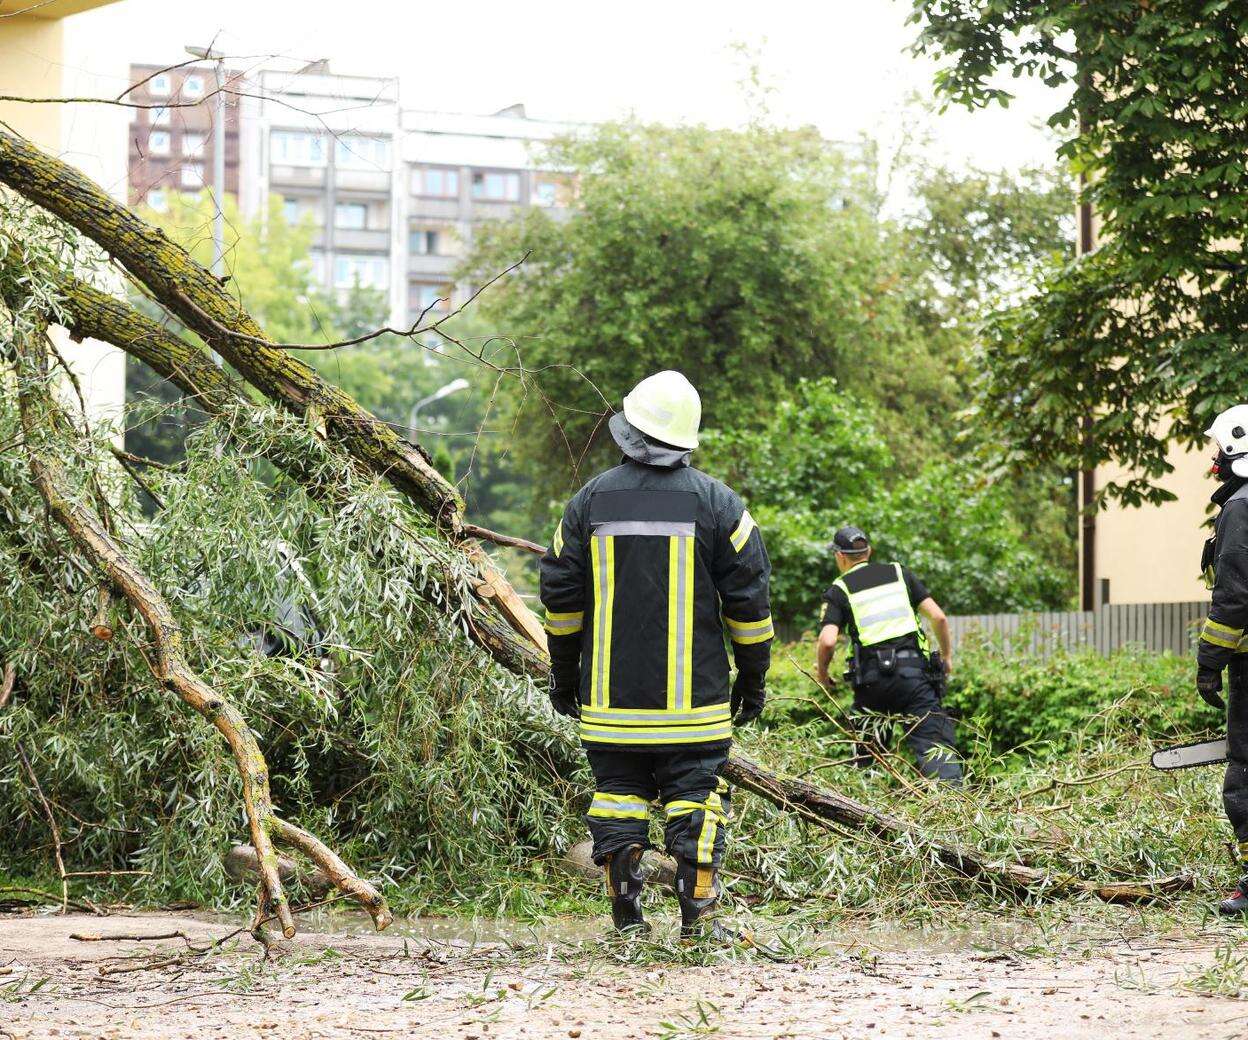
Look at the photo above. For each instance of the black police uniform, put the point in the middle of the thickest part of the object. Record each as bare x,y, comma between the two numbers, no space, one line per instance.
651,565
892,676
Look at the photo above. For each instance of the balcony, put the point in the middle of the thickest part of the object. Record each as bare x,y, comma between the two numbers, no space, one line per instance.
431,268
376,182
420,207
298,176
487,209
361,239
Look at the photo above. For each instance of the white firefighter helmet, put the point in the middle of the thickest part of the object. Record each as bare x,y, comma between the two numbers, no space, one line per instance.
1230,430
665,406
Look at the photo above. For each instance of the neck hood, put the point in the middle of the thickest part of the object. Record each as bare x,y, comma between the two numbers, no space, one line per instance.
644,449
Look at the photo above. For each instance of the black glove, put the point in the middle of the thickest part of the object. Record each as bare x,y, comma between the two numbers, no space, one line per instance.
749,694
1208,685
564,691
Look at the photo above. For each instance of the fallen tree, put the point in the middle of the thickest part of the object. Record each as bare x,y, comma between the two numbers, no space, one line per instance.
470,592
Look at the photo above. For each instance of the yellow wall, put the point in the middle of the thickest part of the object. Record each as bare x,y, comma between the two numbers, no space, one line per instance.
42,56
31,50
1152,554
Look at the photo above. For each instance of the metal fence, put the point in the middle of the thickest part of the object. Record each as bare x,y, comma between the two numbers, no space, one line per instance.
1153,626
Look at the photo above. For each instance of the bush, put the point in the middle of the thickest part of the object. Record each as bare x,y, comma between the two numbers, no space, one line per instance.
1043,707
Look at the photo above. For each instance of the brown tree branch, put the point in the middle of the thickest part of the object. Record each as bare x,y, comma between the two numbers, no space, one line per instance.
40,423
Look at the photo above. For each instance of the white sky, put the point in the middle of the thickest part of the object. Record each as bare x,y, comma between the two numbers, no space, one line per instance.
839,65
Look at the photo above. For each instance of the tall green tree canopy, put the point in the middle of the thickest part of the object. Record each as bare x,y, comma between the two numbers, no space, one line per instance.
746,259
1145,336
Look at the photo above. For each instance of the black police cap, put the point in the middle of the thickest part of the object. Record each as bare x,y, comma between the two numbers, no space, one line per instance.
850,539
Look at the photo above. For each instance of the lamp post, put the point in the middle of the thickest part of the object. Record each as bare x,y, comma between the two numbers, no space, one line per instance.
218,161
453,387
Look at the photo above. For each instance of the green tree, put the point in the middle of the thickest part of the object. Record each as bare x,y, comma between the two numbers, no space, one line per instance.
821,461
747,259
1142,341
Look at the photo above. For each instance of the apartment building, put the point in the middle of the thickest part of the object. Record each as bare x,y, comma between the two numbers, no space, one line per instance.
393,195
461,171
171,132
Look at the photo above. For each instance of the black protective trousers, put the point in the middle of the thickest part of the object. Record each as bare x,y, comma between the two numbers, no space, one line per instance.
929,731
687,781
1235,784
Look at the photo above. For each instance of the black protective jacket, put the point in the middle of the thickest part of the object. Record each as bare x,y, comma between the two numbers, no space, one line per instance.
649,568
1223,632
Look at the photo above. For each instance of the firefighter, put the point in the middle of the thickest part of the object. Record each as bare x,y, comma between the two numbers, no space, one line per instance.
651,564
877,605
1223,644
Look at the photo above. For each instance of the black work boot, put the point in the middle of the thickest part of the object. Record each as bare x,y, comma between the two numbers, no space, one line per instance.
697,891
1236,904
624,885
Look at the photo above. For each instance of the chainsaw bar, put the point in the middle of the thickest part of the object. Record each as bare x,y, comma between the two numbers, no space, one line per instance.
1188,756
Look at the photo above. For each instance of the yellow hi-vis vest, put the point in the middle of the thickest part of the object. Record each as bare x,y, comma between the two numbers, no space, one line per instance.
883,612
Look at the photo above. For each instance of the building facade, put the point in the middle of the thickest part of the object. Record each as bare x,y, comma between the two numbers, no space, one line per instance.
172,135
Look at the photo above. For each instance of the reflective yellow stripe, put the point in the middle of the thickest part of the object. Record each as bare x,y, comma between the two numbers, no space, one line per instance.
1216,640
619,806
741,535
602,551
556,542
564,624
746,632
604,733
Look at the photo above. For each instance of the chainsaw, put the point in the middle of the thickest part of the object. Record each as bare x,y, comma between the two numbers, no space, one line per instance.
1188,756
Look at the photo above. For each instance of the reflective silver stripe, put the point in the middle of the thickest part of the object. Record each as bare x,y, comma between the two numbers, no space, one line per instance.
884,615
563,627
646,527
719,713
675,735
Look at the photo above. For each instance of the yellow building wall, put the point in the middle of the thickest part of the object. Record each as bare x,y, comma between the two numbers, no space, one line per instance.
43,56
1151,554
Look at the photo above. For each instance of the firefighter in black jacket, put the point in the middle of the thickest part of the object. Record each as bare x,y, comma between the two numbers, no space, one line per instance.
877,606
1222,640
651,564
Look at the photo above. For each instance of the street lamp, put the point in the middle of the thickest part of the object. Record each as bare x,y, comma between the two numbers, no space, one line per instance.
218,162
453,387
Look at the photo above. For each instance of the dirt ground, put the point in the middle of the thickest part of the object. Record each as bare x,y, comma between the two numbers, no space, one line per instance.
417,984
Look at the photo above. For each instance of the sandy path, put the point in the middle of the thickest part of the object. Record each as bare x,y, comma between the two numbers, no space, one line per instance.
373,986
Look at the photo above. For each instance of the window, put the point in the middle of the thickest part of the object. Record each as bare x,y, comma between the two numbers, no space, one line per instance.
292,148
425,242
439,182
545,193
496,187
353,216
425,296
193,86
290,210
160,116
193,145
372,272
317,261
160,84
362,153
157,199
192,175
158,142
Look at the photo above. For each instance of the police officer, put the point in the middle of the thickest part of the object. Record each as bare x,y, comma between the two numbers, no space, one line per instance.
875,605
651,564
1223,644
